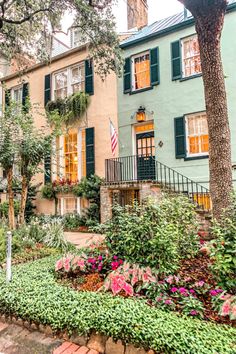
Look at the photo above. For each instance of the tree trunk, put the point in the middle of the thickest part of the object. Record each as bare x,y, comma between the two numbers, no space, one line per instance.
209,19
11,212
24,192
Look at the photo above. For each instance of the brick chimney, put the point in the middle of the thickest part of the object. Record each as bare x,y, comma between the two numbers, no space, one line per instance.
137,13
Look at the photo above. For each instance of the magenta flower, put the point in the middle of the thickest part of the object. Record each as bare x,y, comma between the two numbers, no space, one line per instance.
174,289
193,312
182,290
100,258
120,261
192,291
213,292
115,257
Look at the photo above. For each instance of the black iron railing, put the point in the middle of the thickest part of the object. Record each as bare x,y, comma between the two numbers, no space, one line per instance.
146,168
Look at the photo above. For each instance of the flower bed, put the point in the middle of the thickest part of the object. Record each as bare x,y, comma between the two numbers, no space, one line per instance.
192,291
35,295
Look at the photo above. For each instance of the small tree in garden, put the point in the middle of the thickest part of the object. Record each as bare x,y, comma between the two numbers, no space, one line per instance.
209,21
9,144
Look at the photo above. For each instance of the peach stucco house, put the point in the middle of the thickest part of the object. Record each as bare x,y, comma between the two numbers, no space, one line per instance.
89,137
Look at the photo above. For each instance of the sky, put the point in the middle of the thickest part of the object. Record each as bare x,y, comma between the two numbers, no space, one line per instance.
158,9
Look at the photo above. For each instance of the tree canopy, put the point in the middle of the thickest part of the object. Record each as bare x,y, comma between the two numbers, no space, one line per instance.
31,23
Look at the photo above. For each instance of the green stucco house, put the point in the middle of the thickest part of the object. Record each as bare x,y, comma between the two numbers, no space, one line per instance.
163,133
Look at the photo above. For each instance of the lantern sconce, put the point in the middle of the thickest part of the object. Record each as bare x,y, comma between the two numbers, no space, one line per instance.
141,114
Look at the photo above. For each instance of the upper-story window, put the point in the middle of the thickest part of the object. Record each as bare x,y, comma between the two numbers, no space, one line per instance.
69,81
191,62
197,134
141,71
16,94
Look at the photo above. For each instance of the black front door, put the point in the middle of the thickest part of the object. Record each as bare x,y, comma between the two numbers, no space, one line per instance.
145,146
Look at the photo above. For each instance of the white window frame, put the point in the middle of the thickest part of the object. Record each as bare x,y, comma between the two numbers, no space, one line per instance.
186,117
16,88
133,70
183,58
68,70
62,205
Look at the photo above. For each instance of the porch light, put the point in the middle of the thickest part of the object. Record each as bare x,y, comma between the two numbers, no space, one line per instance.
141,114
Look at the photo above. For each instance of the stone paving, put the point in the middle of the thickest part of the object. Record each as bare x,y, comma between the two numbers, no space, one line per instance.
15,339
82,239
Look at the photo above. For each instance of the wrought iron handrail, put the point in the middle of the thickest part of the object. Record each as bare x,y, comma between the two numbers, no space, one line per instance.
145,168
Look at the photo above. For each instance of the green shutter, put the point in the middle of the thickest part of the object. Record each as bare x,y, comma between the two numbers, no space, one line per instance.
176,60
90,153
47,168
180,144
47,89
7,97
89,84
127,75
154,66
25,94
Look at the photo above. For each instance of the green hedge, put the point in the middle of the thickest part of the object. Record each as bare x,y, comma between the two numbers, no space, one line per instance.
34,294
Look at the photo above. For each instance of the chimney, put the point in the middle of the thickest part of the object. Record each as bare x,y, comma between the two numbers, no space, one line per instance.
137,13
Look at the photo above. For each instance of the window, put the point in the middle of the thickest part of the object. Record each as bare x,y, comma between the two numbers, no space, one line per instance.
191,56
77,78
69,81
141,71
197,134
68,205
60,84
71,156
16,94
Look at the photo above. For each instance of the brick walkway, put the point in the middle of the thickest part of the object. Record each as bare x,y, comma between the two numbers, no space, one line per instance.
71,348
15,339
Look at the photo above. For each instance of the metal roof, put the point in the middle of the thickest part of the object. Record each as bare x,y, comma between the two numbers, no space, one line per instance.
163,26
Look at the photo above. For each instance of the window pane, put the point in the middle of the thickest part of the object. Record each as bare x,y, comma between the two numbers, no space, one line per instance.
191,57
197,130
71,157
142,72
78,78
60,85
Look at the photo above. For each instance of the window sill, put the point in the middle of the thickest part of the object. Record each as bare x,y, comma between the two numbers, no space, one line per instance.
190,77
190,158
141,90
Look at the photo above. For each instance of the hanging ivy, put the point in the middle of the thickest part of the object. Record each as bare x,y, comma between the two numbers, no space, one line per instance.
70,108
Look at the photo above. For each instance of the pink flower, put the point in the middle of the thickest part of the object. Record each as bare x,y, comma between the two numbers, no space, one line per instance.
158,299
114,265
120,261
117,283
168,302
174,289
115,257
225,310
134,280
192,291
170,279
213,292
81,264
193,312
182,290
100,258
200,283
67,265
233,312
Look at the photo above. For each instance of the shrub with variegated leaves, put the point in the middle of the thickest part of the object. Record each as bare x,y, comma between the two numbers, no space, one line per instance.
129,278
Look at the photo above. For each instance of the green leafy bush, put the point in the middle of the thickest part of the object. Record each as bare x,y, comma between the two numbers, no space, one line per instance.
72,221
155,235
5,206
42,300
223,248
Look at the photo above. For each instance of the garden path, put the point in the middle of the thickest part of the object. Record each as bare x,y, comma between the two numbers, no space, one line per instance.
83,239
15,339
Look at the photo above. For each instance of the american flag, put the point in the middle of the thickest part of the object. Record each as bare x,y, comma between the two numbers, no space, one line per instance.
114,138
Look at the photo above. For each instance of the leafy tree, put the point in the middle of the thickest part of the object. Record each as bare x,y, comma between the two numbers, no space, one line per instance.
209,21
30,24
9,142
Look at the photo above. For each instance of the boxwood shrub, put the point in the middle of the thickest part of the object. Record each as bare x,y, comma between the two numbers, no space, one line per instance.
35,295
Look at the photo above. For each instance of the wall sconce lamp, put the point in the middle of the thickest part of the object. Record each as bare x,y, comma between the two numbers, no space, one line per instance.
141,114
